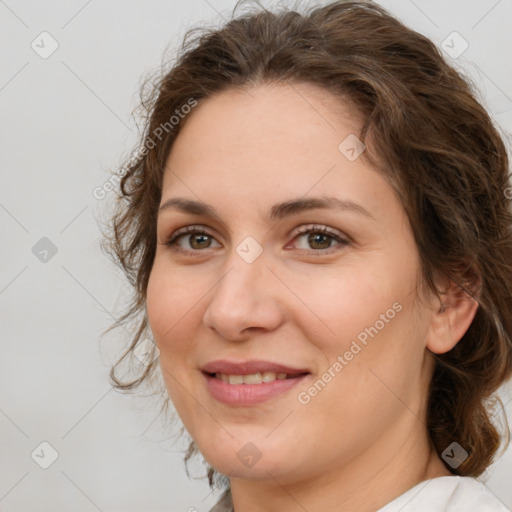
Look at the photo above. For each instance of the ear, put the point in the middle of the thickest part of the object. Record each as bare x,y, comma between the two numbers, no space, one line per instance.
450,319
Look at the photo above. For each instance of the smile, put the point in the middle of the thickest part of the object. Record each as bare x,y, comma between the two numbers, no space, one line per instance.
250,389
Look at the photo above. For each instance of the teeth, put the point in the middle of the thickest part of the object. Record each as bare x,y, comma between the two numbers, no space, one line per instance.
236,379
253,378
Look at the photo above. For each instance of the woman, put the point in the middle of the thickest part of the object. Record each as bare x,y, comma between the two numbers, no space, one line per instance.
319,238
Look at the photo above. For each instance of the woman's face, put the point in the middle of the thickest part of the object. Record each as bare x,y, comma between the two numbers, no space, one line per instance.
303,257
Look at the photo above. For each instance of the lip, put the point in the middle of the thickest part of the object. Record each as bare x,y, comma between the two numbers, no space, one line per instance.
244,395
249,394
248,367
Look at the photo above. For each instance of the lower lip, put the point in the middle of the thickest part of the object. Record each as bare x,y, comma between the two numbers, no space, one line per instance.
248,394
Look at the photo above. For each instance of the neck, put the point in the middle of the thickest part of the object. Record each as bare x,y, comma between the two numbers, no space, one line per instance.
378,475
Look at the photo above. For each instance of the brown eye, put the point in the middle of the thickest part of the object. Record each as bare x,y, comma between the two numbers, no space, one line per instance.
199,241
319,241
191,239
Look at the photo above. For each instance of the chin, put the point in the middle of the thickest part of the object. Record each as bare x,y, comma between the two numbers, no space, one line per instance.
231,466
258,460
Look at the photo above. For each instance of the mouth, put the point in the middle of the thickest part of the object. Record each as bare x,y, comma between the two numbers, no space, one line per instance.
237,390
254,378
250,382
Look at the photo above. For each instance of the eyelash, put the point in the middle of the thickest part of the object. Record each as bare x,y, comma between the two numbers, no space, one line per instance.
312,229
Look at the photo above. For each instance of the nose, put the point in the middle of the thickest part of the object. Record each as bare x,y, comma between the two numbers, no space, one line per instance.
246,299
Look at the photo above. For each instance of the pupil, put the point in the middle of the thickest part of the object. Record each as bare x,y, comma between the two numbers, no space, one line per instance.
313,239
200,239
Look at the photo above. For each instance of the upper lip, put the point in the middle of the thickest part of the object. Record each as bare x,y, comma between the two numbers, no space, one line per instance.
248,367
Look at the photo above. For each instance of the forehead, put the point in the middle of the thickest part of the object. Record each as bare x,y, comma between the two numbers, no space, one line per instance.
243,152
272,131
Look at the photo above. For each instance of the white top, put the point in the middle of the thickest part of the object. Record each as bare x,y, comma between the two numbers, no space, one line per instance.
447,494
441,494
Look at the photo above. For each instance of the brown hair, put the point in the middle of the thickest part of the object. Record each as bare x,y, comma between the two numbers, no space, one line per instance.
430,138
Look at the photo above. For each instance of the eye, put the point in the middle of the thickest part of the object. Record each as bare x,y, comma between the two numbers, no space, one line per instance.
318,238
190,238
196,238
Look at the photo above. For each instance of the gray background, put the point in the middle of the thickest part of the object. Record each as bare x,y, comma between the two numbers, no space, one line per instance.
66,120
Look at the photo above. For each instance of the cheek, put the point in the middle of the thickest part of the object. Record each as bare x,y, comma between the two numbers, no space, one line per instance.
342,303
365,382
367,316
170,305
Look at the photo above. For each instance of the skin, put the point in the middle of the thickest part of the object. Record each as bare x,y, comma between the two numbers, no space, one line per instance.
362,440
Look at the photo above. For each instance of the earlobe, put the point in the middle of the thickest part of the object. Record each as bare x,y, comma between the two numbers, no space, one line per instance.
450,319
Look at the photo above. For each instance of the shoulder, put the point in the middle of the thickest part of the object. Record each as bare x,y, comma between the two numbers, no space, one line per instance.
447,494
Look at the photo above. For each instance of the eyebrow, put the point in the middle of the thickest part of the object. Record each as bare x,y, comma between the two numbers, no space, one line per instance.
277,212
